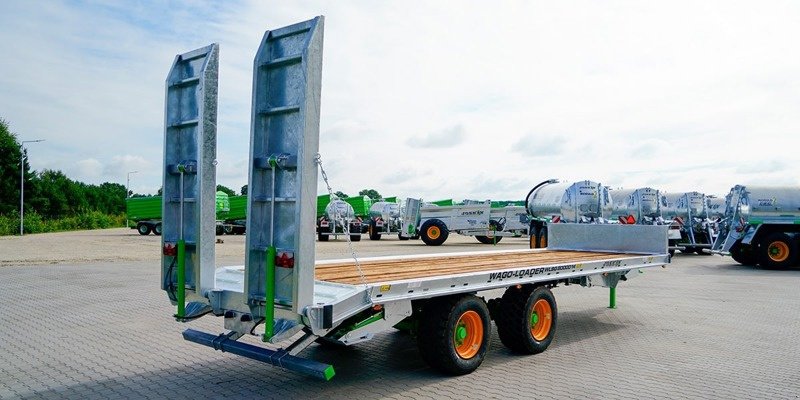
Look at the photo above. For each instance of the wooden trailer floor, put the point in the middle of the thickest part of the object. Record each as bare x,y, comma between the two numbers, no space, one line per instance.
388,270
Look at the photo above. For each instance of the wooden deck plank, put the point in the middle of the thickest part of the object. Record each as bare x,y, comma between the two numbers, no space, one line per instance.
388,270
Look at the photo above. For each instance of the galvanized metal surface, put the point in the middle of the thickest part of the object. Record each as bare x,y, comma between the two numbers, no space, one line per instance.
571,202
644,204
284,140
755,205
190,140
636,239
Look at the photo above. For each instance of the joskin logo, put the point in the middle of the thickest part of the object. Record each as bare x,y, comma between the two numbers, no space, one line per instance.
767,202
477,212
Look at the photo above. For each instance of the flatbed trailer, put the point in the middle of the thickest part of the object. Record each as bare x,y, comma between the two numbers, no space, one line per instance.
283,296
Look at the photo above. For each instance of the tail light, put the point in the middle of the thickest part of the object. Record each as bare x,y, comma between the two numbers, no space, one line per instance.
284,259
170,250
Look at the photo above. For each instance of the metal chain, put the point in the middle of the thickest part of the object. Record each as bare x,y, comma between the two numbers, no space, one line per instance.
318,160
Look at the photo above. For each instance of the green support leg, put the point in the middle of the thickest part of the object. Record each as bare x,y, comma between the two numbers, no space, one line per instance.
269,294
612,298
181,279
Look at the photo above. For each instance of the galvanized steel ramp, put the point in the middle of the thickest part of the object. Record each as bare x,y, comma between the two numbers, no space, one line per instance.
190,141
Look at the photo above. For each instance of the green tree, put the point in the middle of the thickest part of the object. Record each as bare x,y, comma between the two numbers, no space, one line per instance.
244,190
9,170
341,195
227,190
371,193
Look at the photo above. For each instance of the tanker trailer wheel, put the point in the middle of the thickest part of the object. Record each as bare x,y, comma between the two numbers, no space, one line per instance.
434,232
493,226
157,229
374,233
743,254
143,229
527,318
541,238
321,234
777,250
454,333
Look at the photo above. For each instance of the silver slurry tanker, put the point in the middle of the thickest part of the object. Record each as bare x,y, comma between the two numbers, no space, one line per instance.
552,201
338,216
688,211
638,206
384,217
761,225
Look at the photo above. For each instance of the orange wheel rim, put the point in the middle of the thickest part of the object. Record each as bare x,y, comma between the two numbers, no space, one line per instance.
543,242
541,319
434,232
533,242
468,335
778,251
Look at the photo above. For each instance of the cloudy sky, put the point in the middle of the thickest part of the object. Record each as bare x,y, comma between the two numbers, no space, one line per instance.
467,99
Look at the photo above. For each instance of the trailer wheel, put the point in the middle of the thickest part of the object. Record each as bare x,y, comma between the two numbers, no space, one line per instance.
401,237
489,239
374,233
321,234
778,250
355,238
454,333
743,254
157,229
220,230
434,232
228,229
541,238
527,319
143,229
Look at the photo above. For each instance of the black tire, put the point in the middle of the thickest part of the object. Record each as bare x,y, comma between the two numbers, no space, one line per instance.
321,234
439,327
220,230
777,251
143,229
374,233
434,232
743,254
520,328
157,229
355,238
401,237
228,229
489,239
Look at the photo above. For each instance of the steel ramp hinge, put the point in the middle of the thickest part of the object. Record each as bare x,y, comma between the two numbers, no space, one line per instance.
185,167
280,161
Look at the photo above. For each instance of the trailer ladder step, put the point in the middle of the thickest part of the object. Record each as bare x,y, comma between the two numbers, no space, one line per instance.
282,62
276,199
286,34
183,124
178,200
279,110
185,82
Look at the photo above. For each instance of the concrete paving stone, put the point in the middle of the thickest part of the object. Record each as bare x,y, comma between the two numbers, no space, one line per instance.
693,330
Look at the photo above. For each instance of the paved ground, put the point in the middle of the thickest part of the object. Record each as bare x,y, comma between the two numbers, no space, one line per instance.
702,328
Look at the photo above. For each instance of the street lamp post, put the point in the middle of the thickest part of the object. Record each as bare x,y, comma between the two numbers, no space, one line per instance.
127,191
22,181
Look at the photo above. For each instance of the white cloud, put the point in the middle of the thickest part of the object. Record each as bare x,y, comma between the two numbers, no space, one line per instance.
426,99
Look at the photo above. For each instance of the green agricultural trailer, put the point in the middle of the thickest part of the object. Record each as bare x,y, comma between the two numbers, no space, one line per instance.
145,212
